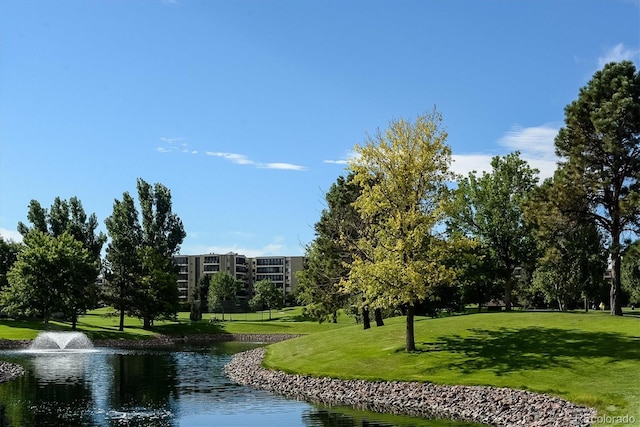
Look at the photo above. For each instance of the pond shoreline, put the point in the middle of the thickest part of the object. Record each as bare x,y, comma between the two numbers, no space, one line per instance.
478,404
483,405
11,371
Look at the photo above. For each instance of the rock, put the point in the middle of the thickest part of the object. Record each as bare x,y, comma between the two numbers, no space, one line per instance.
484,405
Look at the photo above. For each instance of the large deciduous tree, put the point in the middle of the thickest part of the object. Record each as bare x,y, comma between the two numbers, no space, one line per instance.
600,144
222,291
403,174
70,217
49,275
489,209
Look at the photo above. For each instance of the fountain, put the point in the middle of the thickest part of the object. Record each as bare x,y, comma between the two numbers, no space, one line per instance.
61,341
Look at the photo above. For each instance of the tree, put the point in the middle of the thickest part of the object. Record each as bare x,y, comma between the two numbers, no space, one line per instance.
123,263
600,145
630,270
70,217
222,290
572,259
162,234
157,289
403,174
199,298
8,256
266,294
48,276
489,209
143,276
328,256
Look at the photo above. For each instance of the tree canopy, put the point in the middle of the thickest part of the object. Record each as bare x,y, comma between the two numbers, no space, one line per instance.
600,147
403,174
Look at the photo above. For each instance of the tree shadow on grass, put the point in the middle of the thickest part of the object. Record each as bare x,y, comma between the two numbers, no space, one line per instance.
507,350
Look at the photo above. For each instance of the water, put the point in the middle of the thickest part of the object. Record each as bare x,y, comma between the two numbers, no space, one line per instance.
157,388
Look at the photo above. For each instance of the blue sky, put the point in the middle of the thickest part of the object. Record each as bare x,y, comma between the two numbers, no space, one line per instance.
248,109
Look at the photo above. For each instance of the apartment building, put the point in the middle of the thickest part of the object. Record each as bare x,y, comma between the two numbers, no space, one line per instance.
279,269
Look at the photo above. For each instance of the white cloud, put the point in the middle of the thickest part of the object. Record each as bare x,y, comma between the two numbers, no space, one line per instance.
282,166
10,235
536,146
239,159
349,155
616,54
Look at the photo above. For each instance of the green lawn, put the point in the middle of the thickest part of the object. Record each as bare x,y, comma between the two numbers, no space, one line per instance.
591,359
102,324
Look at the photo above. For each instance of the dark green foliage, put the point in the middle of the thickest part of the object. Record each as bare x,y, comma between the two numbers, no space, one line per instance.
8,256
142,277
51,274
489,210
327,257
631,272
69,217
601,147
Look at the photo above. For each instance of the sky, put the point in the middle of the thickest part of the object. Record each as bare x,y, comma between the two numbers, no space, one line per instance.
247,110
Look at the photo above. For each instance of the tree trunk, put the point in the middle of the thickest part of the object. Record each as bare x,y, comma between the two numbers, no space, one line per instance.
146,323
366,322
74,322
410,338
335,317
508,289
121,325
615,300
377,314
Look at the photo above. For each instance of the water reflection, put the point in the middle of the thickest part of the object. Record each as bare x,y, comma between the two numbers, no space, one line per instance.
160,388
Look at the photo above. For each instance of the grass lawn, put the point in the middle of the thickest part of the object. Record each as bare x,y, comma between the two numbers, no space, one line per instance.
102,324
591,359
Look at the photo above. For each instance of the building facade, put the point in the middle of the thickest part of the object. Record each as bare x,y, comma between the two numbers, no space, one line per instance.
279,269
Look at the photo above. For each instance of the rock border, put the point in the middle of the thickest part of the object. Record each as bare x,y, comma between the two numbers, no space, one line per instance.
478,404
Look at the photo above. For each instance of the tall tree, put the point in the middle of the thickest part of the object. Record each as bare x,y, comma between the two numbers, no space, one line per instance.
123,263
48,275
403,174
143,276
489,208
162,235
266,294
600,144
222,290
329,255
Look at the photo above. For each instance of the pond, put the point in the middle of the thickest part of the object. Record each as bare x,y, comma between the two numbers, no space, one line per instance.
183,386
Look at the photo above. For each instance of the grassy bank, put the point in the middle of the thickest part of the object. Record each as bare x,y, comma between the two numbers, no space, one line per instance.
591,359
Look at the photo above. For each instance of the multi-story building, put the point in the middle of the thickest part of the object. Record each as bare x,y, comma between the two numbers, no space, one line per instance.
280,270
